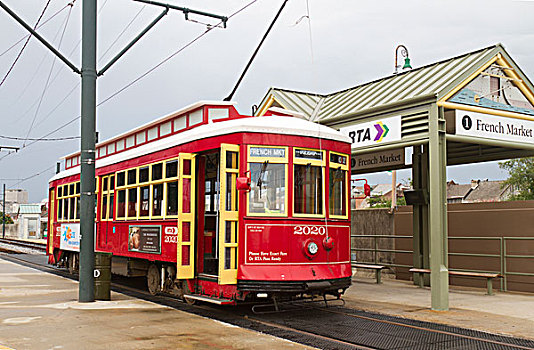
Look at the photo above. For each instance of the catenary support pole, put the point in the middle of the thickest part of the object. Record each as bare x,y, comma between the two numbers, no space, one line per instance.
88,123
4,212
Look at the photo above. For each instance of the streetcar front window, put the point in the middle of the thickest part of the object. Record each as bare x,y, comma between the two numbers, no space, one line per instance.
308,189
338,192
268,188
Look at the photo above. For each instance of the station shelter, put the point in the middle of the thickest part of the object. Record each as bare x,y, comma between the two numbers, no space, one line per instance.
472,108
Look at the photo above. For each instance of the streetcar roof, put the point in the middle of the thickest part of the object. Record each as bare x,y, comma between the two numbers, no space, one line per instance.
266,124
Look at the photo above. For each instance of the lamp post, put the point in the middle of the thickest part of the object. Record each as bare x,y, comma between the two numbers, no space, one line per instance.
404,53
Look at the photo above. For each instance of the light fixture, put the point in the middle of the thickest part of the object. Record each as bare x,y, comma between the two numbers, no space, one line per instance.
404,53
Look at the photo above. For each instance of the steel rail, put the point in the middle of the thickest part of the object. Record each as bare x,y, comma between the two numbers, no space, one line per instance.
427,329
24,244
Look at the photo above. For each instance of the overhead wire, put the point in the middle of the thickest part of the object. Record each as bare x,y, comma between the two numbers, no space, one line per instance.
42,24
122,32
52,81
39,139
45,88
168,58
161,63
31,177
38,69
25,44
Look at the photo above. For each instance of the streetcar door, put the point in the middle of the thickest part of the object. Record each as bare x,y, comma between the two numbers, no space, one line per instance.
185,268
228,214
52,215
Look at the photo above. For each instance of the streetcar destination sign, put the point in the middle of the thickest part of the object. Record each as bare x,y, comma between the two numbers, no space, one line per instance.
494,127
267,152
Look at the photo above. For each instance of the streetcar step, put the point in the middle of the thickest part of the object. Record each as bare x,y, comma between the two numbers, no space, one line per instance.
210,299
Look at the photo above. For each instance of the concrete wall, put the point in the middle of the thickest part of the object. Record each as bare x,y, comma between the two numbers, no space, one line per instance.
12,230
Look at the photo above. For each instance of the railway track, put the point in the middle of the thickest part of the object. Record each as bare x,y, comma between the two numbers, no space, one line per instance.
335,327
41,247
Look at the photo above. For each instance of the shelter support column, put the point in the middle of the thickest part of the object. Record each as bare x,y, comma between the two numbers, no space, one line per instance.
420,214
439,276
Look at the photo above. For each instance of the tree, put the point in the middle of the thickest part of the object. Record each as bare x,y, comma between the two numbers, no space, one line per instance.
380,202
9,220
521,177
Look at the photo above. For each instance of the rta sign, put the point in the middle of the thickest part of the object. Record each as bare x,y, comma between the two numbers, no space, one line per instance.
467,123
374,132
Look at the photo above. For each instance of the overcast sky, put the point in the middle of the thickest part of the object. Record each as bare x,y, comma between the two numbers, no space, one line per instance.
352,42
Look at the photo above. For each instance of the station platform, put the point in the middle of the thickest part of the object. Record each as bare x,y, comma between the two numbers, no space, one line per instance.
509,313
39,310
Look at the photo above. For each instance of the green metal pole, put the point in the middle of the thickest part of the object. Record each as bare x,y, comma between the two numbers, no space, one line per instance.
88,122
425,235
416,215
4,212
439,275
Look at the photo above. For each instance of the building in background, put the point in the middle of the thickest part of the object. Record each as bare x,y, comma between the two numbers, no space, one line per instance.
14,197
478,191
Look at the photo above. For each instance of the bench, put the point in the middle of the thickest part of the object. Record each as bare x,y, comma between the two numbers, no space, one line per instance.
378,270
487,275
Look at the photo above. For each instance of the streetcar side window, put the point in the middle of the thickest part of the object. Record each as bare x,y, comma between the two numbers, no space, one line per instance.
308,179
268,174
59,207
172,198
68,202
337,189
157,198
171,169
157,171
121,204
120,179
143,174
145,201
132,176
132,203
107,197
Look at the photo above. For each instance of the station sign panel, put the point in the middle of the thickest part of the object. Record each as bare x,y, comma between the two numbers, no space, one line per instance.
494,127
377,132
378,160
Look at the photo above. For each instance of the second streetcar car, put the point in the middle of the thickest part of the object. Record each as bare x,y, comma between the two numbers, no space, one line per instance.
212,205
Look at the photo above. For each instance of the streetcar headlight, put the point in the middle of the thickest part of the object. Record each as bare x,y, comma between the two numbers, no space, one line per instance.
313,248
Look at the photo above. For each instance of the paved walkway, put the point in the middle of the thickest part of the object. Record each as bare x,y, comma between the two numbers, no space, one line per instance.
40,311
503,313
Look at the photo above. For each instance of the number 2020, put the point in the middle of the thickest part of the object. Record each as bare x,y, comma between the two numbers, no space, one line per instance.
309,230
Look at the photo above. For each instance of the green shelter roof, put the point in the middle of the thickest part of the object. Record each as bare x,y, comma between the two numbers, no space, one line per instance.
436,79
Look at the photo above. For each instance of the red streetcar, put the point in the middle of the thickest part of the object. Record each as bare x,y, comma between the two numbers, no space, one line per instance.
212,205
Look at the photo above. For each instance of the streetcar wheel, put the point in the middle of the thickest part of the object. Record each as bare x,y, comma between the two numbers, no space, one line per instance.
153,279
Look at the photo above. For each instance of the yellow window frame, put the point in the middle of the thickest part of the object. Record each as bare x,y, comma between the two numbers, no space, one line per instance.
314,162
274,160
345,167
74,195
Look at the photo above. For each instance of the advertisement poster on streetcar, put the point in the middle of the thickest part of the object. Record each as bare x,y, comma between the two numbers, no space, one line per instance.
144,239
70,237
